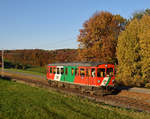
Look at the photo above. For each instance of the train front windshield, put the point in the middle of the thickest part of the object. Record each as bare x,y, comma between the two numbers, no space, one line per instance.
109,71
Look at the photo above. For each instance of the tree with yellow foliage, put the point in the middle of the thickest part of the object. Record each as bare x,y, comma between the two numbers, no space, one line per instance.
144,36
128,54
133,52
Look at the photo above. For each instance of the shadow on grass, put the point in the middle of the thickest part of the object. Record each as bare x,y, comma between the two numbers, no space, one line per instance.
118,89
5,78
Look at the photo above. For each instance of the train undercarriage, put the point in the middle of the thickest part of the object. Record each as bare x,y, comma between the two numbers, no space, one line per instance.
84,89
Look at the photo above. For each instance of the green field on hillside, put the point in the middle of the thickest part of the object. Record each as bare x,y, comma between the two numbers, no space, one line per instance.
37,70
33,70
20,101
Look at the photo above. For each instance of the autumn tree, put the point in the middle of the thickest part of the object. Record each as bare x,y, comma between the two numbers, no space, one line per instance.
140,14
98,38
144,36
133,52
128,54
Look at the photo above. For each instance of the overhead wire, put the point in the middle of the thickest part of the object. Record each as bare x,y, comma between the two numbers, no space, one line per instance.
55,44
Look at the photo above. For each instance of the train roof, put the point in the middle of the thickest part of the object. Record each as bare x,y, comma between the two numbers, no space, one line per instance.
77,64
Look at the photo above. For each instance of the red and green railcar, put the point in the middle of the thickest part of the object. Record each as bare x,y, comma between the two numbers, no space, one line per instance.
88,74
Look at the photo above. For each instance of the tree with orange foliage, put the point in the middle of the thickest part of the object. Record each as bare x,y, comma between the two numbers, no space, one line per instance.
98,38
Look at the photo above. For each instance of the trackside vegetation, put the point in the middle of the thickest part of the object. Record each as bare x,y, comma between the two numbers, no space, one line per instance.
33,70
19,101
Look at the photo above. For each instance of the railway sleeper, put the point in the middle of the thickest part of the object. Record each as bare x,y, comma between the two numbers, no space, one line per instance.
99,93
89,92
60,84
73,86
67,85
50,82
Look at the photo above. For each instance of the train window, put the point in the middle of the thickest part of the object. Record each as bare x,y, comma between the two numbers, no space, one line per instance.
93,72
110,71
58,71
66,71
72,70
54,70
82,72
88,72
76,71
50,70
100,72
62,70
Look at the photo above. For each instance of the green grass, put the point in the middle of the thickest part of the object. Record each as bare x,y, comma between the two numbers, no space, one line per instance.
19,101
37,69
34,70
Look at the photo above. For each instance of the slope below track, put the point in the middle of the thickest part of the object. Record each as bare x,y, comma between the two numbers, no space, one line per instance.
23,74
127,98
19,101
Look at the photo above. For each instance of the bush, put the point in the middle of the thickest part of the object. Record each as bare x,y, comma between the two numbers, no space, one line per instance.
147,85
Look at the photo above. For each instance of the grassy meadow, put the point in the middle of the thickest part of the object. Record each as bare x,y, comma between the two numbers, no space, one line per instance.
33,70
20,101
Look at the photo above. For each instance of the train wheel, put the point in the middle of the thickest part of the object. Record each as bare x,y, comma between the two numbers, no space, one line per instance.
49,82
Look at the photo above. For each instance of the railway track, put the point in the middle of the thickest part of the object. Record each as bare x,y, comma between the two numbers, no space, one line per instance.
129,100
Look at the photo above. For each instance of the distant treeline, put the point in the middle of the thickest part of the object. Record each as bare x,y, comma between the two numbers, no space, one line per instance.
38,57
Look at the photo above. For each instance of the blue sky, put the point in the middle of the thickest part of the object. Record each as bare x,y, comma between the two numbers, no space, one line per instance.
54,24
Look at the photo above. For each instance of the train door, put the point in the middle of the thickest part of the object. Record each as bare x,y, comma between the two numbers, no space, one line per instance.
72,74
51,72
82,75
65,73
58,73
62,74
110,75
100,76
69,75
88,75
92,78
77,78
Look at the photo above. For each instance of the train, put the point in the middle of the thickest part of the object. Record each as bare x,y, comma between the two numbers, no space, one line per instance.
89,77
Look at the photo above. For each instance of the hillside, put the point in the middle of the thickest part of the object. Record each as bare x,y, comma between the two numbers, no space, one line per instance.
38,57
